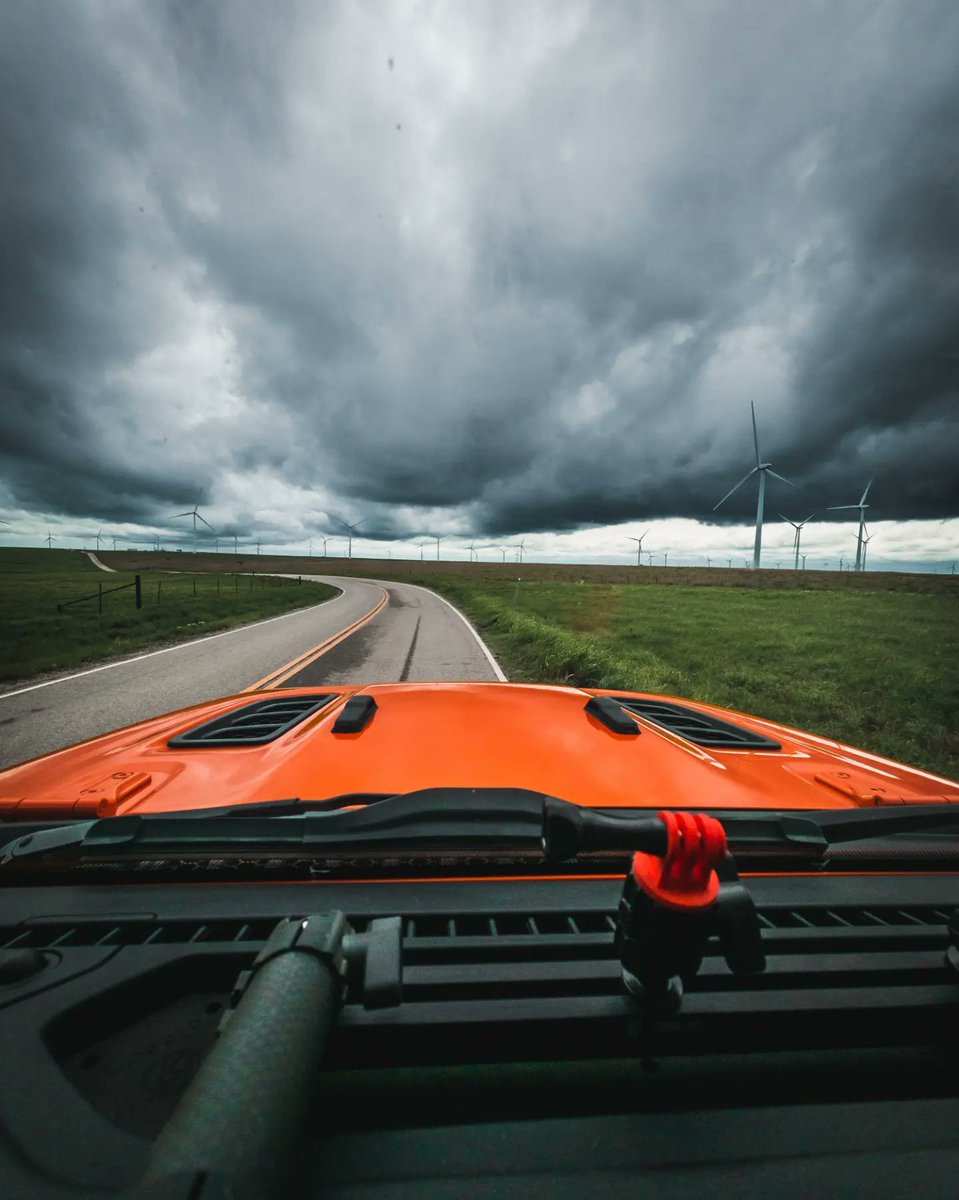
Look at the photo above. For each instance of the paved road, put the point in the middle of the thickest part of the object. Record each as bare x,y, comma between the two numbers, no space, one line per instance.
414,635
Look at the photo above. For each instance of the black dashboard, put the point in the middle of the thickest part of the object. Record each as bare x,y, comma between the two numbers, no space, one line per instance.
516,1060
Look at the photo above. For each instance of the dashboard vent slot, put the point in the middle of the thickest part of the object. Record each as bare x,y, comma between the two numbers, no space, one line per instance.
697,727
594,928
253,724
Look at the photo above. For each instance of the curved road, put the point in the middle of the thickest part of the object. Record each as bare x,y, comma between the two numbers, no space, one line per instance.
371,633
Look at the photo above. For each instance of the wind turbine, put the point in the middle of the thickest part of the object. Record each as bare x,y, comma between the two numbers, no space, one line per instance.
50,539
472,549
503,550
99,536
804,557
194,512
437,538
649,555
729,561
797,525
709,561
349,531
236,550
861,508
114,543
639,547
521,550
867,538
156,542
762,469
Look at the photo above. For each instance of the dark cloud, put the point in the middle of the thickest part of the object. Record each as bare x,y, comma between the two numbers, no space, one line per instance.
507,268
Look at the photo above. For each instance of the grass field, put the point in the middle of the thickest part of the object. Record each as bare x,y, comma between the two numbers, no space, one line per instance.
875,669
380,568
37,638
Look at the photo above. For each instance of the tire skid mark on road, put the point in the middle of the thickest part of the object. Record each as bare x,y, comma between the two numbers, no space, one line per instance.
405,673
295,666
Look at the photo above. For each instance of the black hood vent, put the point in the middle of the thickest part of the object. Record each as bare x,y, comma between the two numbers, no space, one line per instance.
253,724
697,727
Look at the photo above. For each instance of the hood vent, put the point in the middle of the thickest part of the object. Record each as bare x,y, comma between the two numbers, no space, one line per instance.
253,724
697,727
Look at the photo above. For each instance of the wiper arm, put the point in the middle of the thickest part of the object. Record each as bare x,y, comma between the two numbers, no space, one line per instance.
462,820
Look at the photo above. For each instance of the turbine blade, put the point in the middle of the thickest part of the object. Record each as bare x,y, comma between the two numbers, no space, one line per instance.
186,514
810,517
840,507
736,488
781,479
788,522
866,492
206,523
752,409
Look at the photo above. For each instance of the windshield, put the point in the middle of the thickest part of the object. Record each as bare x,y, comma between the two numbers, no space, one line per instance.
437,348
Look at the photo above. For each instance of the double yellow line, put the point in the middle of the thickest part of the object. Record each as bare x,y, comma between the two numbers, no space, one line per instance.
295,665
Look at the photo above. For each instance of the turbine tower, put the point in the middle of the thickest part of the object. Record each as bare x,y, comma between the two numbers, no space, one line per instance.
194,512
349,531
861,509
99,536
797,525
762,469
639,547
50,539
521,550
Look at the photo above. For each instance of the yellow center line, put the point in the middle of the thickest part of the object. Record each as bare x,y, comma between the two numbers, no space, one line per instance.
283,673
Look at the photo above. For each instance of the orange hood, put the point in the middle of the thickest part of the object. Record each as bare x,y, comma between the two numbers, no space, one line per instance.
458,735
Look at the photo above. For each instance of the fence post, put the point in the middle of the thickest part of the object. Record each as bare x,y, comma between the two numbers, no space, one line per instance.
138,591
99,597
159,583
194,587
218,585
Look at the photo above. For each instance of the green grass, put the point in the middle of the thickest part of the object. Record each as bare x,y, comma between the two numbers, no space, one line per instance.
37,638
874,669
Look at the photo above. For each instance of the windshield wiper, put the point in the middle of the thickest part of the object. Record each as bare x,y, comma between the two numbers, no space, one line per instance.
291,807
458,820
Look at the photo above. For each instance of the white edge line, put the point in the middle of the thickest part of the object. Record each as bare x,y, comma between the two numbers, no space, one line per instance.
497,669
96,562
166,649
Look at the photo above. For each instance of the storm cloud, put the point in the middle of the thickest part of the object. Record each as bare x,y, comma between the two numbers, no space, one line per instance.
491,267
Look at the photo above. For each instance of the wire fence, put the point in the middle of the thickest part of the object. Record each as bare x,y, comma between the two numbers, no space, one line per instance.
178,587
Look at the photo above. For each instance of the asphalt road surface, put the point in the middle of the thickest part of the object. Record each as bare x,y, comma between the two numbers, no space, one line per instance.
371,633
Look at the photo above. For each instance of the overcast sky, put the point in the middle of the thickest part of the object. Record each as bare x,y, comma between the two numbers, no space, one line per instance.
491,269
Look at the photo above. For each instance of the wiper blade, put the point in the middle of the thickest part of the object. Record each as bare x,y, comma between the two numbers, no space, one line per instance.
467,819
459,820
291,807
